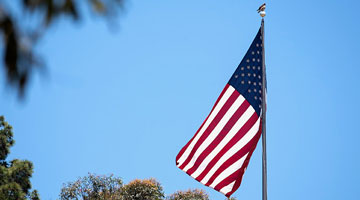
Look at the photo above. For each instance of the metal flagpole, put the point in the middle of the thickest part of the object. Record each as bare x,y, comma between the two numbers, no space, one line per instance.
264,171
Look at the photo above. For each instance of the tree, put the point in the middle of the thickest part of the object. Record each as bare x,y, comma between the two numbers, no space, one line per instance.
195,194
14,175
93,187
19,39
148,189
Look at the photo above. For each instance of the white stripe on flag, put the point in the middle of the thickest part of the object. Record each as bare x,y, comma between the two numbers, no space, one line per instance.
227,188
228,171
241,121
239,145
216,130
220,104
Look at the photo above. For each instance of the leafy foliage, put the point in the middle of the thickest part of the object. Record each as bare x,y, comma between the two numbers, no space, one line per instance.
14,175
195,194
92,187
34,195
19,40
148,189
6,138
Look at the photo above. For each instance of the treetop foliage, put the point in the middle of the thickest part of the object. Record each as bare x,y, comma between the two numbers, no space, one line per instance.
94,187
6,138
14,175
148,189
194,194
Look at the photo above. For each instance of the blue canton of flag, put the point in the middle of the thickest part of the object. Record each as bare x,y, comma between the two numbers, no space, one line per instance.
247,78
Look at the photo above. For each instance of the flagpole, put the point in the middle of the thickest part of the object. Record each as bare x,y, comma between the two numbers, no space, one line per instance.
263,117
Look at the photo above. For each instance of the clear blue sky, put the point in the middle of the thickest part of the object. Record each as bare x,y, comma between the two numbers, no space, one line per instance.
126,101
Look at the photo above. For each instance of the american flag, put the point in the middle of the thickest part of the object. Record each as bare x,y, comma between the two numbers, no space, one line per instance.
219,152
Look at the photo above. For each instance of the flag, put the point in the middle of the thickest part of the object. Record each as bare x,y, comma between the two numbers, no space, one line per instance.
219,152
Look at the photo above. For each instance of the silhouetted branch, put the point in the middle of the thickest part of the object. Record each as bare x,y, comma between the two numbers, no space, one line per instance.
19,57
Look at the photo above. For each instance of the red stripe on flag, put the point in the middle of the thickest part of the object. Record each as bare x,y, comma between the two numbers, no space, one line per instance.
243,130
211,126
186,146
237,156
231,178
239,112
241,172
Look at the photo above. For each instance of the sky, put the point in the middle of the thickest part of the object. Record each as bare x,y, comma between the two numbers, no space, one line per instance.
126,100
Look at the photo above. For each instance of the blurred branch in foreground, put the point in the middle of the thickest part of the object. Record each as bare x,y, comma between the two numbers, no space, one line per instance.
19,57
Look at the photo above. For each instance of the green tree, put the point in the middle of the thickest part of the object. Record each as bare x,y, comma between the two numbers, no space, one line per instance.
195,194
147,189
14,175
19,39
92,187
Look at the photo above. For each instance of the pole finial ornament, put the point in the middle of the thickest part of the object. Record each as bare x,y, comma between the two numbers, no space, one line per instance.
261,10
